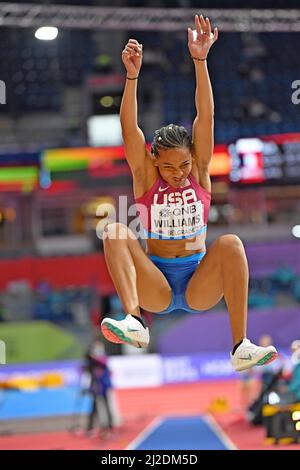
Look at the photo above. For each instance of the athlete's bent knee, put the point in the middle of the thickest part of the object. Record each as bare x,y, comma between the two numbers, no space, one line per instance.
117,231
230,241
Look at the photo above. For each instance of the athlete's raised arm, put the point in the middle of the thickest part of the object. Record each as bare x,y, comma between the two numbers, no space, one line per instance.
133,137
199,44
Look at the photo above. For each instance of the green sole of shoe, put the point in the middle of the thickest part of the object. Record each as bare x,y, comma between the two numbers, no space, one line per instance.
268,358
114,334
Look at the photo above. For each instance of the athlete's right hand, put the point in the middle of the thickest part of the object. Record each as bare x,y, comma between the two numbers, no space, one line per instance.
132,56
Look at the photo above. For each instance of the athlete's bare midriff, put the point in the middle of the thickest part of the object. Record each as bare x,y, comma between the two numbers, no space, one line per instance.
176,248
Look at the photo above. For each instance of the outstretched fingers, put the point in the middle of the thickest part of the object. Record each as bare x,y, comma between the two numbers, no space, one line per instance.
203,24
205,27
208,27
198,24
190,35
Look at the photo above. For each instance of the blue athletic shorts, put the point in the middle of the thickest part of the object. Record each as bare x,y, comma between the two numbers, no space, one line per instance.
178,272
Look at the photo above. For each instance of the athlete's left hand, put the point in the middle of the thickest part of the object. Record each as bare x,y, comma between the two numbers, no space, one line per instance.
201,39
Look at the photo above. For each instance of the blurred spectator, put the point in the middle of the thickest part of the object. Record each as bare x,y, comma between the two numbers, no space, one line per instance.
294,384
253,47
284,277
270,377
251,72
269,370
285,392
252,109
42,306
296,289
260,294
95,366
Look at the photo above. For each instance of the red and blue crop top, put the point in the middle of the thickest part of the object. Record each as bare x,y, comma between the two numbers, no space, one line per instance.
169,213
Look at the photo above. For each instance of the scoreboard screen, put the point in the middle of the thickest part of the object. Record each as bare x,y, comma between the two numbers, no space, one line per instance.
273,159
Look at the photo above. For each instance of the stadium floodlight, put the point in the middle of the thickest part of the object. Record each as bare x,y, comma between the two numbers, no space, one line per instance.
46,33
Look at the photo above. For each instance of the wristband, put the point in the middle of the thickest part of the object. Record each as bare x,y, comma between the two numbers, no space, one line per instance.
196,58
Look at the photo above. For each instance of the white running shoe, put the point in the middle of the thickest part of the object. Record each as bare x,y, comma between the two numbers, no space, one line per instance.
129,331
248,355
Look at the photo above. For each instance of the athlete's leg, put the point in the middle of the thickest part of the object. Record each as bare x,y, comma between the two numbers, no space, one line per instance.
223,272
137,280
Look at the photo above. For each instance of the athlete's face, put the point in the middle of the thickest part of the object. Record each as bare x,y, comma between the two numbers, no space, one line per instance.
174,165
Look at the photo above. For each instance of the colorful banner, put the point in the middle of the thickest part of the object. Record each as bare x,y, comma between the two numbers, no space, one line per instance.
274,158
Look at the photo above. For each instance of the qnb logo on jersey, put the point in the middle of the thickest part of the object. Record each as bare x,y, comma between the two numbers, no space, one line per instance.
173,220
185,197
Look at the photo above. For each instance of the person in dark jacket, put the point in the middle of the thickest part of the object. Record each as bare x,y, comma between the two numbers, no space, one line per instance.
99,385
